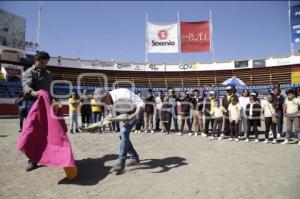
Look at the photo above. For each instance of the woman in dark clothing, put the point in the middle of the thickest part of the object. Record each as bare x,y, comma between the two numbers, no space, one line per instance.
165,114
185,113
21,102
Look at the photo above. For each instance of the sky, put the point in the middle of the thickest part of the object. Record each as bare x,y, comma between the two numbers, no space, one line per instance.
116,30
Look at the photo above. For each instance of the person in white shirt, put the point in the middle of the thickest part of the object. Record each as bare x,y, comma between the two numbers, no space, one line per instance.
125,101
158,105
218,114
292,115
243,101
269,112
234,110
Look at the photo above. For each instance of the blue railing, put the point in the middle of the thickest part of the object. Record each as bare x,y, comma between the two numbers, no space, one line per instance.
13,88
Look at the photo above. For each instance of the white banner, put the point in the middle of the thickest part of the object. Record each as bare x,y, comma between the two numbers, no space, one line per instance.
182,67
155,67
162,38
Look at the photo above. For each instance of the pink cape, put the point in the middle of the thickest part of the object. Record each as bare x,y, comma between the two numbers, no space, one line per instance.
43,139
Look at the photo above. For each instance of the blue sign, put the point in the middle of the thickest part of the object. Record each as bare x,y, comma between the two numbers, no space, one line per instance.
295,23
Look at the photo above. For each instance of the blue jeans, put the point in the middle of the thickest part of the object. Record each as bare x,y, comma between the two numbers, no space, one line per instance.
96,116
73,120
280,122
126,145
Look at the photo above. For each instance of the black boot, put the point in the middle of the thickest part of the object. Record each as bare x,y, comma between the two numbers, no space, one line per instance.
31,166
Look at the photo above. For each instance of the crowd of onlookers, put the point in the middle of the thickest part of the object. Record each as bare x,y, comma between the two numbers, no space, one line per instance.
198,113
204,113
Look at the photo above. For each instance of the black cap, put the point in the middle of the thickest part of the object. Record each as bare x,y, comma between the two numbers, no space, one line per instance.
42,55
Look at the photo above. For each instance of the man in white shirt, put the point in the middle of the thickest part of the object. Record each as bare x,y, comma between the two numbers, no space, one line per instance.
125,101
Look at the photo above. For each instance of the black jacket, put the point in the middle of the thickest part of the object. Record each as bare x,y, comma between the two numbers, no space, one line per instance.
207,107
226,102
256,111
149,102
185,107
278,102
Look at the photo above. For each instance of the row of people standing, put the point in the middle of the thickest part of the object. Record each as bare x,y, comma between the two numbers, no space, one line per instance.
242,115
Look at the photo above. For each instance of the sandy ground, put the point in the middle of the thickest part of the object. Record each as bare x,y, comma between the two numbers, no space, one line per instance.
172,167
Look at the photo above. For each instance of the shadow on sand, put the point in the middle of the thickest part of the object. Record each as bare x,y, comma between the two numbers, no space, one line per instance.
164,164
3,136
91,171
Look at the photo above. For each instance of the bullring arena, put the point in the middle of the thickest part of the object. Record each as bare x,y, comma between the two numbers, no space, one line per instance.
64,149
171,166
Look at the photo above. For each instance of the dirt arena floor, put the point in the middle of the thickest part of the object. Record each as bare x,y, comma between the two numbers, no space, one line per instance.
172,167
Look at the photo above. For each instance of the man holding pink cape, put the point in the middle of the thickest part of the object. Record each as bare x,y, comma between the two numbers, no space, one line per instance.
43,139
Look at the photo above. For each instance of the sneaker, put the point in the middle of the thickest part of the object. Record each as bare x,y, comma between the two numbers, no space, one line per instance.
236,139
230,139
247,140
286,141
118,168
204,135
152,131
298,143
162,131
132,162
31,166
220,138
256,140
270,134
196,134
278,135
136,131
211,138
179,134
274,141
190,134
266,141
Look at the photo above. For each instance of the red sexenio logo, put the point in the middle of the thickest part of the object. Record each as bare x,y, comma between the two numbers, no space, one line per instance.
162,34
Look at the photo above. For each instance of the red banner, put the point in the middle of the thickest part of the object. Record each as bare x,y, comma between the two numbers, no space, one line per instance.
195,36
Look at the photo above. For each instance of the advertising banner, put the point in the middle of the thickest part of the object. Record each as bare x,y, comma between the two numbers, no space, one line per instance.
162,38
195,36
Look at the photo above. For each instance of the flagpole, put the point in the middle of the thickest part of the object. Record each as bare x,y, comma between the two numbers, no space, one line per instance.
290,28
212,49
37,41
146,39
179,38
